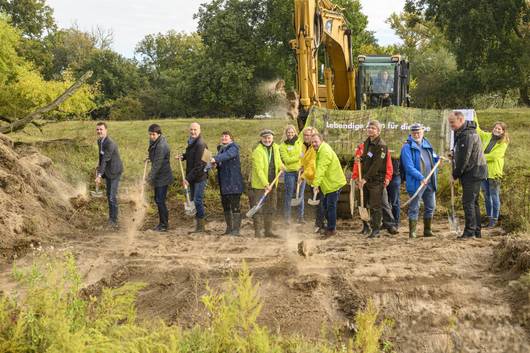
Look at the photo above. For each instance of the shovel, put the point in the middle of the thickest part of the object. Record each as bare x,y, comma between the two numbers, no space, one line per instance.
98,193
299,198
454,226
207,158
189,206
259,205
352,198
363,211
422,185
314,201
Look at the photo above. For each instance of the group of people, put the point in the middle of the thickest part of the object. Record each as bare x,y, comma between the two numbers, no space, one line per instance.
307,161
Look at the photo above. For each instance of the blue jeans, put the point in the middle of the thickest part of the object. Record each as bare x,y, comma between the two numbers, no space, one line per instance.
492,190
290,182
393,197
330,209
112,198
160,200
197,195
429,202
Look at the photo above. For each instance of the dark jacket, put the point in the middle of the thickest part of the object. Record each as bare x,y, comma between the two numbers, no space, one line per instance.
194,165
159,153
110,165
374,160
229,169
468,156
411,160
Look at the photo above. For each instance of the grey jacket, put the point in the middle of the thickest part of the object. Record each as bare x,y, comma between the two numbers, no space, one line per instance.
110,165
469,162
159,155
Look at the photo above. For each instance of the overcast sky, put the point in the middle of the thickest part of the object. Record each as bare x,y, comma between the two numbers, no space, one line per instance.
131,20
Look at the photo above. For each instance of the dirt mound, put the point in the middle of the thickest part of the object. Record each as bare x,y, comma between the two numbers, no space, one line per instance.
34,200
513,254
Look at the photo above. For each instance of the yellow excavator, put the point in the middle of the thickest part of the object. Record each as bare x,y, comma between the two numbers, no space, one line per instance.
338,83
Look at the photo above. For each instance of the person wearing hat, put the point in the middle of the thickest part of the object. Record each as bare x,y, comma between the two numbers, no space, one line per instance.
290,151
418,159
329,180
266,164
374,174
161,175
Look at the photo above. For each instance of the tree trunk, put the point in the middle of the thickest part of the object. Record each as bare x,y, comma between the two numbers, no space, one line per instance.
20,124
524,97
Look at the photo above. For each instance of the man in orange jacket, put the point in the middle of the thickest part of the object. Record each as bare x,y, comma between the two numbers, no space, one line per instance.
389,222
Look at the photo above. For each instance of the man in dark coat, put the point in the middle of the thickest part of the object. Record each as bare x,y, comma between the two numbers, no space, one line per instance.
230,181
161,175
469,165
110,167
196,173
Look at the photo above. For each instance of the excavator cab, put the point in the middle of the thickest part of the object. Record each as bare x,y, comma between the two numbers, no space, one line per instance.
382,81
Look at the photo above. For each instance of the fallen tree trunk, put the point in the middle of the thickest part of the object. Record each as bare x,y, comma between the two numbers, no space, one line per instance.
20,124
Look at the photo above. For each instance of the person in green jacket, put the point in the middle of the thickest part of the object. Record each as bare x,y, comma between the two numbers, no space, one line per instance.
266,164
495,144
329,179
290,151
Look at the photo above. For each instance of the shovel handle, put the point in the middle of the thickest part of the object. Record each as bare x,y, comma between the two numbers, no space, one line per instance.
361,187
273,183
298,183
184,178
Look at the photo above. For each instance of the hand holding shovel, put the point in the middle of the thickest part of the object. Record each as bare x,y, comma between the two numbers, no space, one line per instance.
189,206
314,201
268,189
363,211
98,193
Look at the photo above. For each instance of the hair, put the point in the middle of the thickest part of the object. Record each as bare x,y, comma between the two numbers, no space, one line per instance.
102,123
311,129
319,135
375,123
459,115
227,133
155,128
504,137
289,127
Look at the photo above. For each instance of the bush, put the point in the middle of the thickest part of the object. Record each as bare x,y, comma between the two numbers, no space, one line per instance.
127,108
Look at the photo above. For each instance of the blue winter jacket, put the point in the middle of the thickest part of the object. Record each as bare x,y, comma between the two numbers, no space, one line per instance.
411,159
229,169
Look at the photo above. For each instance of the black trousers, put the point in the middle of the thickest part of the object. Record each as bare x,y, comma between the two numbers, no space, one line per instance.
160,200
231,203
470,198
373,195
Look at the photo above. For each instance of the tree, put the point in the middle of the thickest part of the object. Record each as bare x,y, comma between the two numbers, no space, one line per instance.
33,18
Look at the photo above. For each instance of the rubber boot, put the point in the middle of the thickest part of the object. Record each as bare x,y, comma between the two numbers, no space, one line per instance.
412,228
236,223
258,228
376,223
199,226
228,221
427,227
268,226
366,228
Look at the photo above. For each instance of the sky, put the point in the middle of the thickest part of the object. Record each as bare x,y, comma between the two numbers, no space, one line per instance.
132,20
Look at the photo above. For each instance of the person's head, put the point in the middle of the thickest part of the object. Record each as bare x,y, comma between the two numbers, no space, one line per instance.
499,130
417,132
316,140
226,138
456,120
385,75
154,131
267,137
308,133
195,130
374,129
101,130
290,132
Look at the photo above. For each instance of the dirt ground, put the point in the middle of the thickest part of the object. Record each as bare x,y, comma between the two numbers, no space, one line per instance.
442,295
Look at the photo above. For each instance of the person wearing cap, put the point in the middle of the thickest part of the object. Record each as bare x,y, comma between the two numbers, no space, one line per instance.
160,176
374,174
266,164
418,159
329,180
290,151
228,164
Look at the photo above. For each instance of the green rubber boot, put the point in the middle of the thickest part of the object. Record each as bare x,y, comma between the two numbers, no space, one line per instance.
427,227
412,228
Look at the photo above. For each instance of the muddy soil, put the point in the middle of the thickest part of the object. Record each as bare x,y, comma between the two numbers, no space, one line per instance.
443,295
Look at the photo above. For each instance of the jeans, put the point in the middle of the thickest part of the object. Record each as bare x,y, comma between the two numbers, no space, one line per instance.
197,195
112,198
470,196
319,211
428,196
160,200
330,209
393,190
231,203
290,182
492,190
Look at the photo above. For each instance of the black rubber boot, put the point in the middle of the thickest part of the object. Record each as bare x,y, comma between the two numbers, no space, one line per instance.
236,223
427,227
376,223
366,228
268,226
412,228
199,226
228,221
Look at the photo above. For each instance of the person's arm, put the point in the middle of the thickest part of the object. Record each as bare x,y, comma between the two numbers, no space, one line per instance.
156,163
108,150
408,163
198,169
323,163
461,158
496,153
389,169
228,154
357,154
257,168
483,134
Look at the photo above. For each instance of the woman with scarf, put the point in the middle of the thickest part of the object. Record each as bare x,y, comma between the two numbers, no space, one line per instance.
495,144
230,179
290,151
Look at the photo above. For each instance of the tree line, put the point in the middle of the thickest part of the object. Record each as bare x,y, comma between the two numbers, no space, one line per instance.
462,52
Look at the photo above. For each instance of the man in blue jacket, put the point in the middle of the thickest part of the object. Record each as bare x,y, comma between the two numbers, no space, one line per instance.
230,179
418,159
